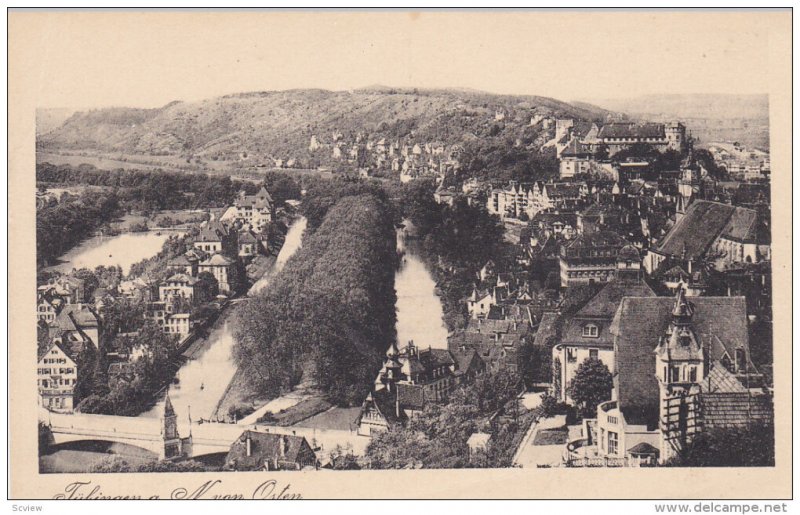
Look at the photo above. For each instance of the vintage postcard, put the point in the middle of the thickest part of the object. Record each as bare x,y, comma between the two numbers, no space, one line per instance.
388,254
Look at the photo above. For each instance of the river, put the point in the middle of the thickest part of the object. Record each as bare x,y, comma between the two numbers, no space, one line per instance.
122,250
201,381
420,317
294,239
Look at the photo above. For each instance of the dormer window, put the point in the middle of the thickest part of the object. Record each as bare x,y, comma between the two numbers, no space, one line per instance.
591,331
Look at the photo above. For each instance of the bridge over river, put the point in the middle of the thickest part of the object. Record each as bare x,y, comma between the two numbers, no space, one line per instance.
207,438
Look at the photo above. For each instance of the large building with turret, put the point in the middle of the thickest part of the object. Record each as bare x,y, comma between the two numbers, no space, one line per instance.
681,367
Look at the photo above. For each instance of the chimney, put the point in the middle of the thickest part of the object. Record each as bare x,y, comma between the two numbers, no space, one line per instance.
248,443
284,446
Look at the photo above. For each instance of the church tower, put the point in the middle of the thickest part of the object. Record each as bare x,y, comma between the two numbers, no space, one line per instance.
680,366
169,431
688,185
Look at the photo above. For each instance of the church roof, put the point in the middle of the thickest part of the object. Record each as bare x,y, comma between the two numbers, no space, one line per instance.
703,223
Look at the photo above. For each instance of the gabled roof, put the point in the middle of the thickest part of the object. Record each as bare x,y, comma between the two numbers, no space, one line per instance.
180,261
266,446
605,303
575,149
182,278
217,260
596,239
431,358
464,360
76,316
563,189
69,352
702,224
247,237
600,310
547,328
719,380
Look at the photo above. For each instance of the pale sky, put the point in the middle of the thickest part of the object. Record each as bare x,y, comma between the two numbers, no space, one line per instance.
149,59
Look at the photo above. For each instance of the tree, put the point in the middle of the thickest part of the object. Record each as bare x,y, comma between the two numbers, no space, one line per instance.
749,446
591,385
209,284
534,363
281,187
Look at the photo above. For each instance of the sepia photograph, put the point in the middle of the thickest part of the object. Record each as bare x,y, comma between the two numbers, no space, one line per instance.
336,243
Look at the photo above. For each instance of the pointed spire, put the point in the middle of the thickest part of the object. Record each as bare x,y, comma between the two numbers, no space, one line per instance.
169,411
682,309
393,351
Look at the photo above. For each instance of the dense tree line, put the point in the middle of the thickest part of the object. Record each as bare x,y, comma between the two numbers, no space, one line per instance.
62,225
321,195
149,191
499,161
330,312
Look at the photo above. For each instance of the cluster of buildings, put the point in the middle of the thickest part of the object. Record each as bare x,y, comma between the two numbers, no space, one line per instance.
70,315
583,147
682,262
742,163
407,157
503,316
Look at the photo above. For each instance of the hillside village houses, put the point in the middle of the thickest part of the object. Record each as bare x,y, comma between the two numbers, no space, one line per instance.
253,211
72,320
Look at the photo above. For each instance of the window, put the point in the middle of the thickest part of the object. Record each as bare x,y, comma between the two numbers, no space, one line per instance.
612,442
693,374
674,374
593,353
572,354
591,331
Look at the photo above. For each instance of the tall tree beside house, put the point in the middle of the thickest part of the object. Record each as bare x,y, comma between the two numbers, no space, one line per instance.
591,385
